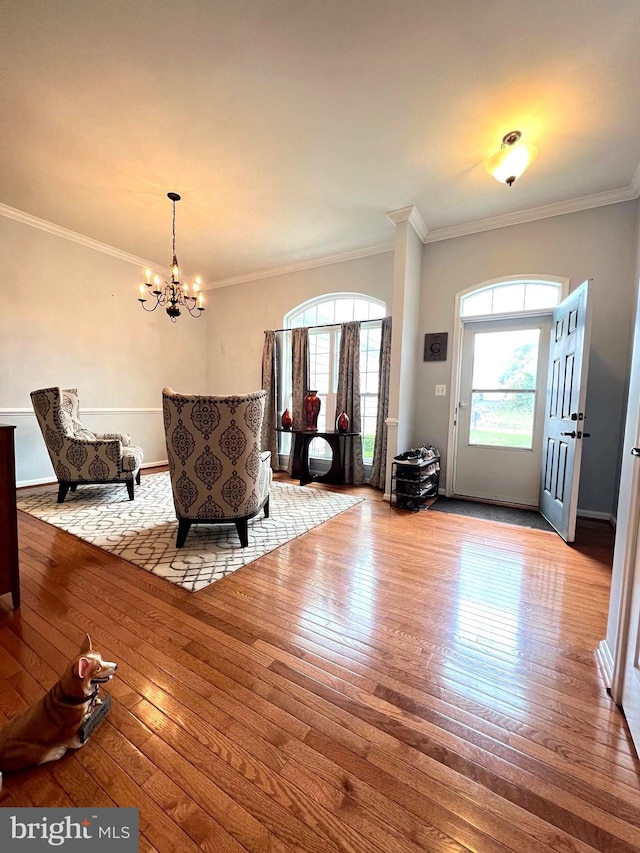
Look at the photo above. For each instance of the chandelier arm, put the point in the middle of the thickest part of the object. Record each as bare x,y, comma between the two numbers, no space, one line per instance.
149,310
192,309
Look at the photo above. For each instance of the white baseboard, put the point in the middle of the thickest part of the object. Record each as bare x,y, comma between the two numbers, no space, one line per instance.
581,513
43,481
597,516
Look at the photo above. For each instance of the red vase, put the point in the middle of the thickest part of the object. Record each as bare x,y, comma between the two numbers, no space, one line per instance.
286,420
342,422
311,410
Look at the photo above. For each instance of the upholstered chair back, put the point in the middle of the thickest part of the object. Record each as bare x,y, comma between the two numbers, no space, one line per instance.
218,471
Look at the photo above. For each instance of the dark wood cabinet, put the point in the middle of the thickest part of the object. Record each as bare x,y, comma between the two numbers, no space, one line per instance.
9,569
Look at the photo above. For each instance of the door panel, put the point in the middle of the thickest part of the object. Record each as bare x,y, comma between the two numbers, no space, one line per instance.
501,409
625,681
564,419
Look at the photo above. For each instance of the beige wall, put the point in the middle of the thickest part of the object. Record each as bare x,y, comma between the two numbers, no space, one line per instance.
599,244
71,319
240,314
74,321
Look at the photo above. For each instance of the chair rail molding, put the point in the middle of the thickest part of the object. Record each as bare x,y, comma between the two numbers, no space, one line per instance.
86,410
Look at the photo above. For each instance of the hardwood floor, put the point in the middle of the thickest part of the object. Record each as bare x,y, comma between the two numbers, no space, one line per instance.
386,682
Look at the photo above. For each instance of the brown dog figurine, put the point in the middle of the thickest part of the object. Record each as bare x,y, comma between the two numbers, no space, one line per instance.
45,731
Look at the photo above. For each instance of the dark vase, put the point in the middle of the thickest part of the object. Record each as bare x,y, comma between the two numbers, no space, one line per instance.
342,422
312,409
286,420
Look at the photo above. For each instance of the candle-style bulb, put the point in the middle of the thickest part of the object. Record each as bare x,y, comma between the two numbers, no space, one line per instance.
147,272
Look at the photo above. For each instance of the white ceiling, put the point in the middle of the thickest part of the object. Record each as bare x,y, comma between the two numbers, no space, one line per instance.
290,127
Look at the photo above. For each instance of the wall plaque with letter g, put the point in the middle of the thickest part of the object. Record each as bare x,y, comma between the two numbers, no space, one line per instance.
435,346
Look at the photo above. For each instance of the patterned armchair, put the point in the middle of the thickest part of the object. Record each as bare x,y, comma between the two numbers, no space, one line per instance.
78,455
218,472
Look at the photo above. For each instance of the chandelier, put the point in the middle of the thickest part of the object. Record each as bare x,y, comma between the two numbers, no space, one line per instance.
173,296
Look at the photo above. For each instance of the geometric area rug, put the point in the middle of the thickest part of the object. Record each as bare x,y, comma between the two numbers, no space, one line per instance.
143,531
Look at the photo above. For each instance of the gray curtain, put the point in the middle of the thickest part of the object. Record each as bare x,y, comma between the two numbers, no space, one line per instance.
299,379
379,466
299,373
270,385
348,399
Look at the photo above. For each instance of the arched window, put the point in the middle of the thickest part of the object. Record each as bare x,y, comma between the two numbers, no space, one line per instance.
335,308
323,316
518,295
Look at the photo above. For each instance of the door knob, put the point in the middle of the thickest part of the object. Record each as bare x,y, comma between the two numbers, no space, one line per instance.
571,434
635,451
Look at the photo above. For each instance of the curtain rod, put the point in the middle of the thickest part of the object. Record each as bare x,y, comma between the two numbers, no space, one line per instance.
325,325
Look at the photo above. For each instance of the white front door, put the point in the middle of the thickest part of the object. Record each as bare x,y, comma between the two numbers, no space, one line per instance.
564,411
625,682
500,409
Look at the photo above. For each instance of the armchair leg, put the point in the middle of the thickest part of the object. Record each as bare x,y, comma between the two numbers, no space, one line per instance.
266,509
74,486
130,489
138,478
63,488
243,531
184,525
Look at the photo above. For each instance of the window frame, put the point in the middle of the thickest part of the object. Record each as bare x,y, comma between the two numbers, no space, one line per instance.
496,285
562,282
376,306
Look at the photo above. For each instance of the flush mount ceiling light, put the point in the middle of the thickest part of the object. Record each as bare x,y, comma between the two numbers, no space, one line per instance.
174,295
512,159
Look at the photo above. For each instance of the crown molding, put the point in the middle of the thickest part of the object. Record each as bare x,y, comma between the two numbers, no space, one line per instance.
74,237
353,255
409,214
403,214
543,212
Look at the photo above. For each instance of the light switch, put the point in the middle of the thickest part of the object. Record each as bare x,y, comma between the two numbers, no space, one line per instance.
441,390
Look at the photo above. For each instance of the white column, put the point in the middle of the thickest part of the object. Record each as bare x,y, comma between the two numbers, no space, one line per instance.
411,233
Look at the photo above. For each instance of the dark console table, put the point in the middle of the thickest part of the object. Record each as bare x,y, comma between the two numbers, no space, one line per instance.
9,573
303,438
